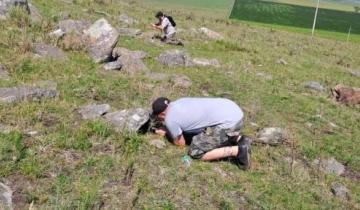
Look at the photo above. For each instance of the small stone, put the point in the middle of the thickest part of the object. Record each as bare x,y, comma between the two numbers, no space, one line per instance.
4,75
130,32
330,166
314,86
44,50
211,34
31,133
57,33
271,136
355,73
127,20
202,62
281,61
173,58
128,120
254,124
340,191
158,143
5,197
181,81
265,76
93,111
5,129
115,65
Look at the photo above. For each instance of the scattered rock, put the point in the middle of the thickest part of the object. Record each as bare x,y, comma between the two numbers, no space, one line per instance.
5,197
173,58
120,51
346,95
17,94
93,111
340,191
44,50
73,26
5,129
127,20
31,133
5,6
265,76
281,62
58,33
158,143
4,75
330,166
131,32
114,65
131,65
271,136
211,34
181,81
202,62
157,76
103,38
314,86
355,73
130,120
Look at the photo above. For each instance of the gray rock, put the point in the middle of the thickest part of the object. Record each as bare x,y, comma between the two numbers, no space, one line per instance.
58,33
173,58
5,6
131,32
93,111
17,94
31,133
128,120
73,26
5,197
271,136
340,191
35,15
281,61
127,20
330,166
114,65
44,50
265,76
211,34
158,143
355,73
131,65
103,39
202,62
120,51
314,86
4,75
5,129
181,81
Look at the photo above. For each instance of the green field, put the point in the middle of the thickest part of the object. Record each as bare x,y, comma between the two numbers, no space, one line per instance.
79,164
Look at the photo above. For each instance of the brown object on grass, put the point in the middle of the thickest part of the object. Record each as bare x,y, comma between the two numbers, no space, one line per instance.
346,95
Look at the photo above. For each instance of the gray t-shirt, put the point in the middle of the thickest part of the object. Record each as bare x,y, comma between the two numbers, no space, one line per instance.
190,114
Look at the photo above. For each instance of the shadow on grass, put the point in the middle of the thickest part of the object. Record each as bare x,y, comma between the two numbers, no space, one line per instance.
295,16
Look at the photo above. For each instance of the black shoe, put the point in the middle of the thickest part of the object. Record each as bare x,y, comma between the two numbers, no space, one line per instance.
243,157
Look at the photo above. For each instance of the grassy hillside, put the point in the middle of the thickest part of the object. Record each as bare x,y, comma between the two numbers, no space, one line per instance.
77,164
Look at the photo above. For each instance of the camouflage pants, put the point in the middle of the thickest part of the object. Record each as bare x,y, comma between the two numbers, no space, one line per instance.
213,138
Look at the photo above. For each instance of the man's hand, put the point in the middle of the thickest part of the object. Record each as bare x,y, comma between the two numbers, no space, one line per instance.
180,141
160,132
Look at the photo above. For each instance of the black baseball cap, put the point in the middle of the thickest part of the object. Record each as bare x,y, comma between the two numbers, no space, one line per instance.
159,14
159,105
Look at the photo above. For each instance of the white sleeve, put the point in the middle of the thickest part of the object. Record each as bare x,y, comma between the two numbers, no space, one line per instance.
174,128
164,23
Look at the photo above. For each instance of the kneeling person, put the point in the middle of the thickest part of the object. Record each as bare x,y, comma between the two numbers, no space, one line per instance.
214,124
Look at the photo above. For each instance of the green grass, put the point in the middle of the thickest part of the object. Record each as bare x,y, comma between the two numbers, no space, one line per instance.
76,164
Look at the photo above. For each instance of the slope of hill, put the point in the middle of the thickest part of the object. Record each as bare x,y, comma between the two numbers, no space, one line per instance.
50,158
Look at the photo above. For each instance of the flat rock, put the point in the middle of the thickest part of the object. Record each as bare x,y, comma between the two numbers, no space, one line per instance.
211,34
44,50
181,81
4,75
131,32
5,197
73,26
120,51
158,143
340,191
5,6
202,62
271,136
127,20
355,73
128,119
330,166
131,65
281,62
173,58
17,94
103,39
114,65
314,86
93,111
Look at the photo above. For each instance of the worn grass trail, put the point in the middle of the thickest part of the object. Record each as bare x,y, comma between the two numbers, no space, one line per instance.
76,164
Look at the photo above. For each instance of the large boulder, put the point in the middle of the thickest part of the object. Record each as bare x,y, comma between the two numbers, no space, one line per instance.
114,65
346,95
4,75
354,73
130,32
211,34
128,119
47,51
93,111
5,197
103,38
330,166
173,58
23,93
271,136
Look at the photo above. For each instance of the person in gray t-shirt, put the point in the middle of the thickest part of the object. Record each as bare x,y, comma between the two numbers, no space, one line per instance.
213,123
165,25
